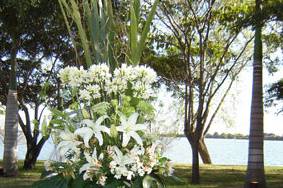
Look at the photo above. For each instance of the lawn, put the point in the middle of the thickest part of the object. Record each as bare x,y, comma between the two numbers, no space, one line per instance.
212,176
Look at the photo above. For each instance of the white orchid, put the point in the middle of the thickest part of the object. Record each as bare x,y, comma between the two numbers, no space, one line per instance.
92,128
129,127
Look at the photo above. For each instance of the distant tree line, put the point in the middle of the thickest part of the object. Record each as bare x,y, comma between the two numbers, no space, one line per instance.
267,136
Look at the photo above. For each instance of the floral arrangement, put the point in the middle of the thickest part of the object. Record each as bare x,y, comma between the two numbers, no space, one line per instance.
102,136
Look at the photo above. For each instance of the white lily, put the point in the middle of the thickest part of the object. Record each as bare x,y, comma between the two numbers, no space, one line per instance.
86,133
119,163
120,159
129,127
92,165
69,142
93,128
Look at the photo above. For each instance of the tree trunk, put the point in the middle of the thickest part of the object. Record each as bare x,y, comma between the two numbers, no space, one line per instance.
195,161
11,133
255,171
203,151
33,151
31,156
11,120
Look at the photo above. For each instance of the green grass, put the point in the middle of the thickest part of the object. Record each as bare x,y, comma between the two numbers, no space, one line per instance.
24,179
224,176
212,176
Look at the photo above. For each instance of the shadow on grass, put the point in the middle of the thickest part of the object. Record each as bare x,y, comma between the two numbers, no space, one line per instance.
216,176
212,176
24,179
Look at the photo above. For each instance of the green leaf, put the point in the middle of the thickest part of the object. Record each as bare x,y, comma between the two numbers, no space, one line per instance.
62,4
35,124
113,131
77,182
85,114
149,182
81,31
114,184
133,36
138,183
72,9
101,108
44,128
137,7
57,121
146,28
54,182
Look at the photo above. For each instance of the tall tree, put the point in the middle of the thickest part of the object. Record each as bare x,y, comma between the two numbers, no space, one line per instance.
41,38
200,59
10,20
37,90
255,172
265,11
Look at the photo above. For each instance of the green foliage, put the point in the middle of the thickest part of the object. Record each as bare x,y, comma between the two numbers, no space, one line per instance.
59,181
275,95
138,40
213,176
97,30
54,181
94,23
101,108
72,9
45,128
150,181
146,109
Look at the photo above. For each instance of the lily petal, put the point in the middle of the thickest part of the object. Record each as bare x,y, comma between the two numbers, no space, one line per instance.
105,129
100,120
133,118
123,118
126,139
84,167
136,137
99,137
138,127
87,122
86,133
118,152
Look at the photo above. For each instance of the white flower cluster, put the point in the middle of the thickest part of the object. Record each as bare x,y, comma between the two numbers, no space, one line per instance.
133,163
109,145
140,78
98,79
98,160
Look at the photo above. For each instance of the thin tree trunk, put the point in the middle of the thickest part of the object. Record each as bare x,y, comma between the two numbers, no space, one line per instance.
255,172
195,161
203,152
33,151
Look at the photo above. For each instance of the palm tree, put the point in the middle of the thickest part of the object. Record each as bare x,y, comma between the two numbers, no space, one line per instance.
11,120
255,172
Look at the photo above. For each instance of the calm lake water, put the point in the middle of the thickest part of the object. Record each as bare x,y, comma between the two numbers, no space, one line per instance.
222,151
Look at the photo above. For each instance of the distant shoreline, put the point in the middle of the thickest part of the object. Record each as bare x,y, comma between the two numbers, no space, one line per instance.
267,136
